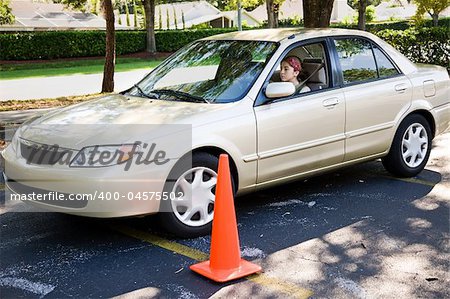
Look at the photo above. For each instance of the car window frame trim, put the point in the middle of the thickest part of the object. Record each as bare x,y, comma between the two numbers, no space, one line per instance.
389,58
243,95
261,99
339,72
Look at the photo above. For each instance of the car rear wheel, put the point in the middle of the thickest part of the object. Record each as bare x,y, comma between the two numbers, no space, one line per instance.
191,212
410,148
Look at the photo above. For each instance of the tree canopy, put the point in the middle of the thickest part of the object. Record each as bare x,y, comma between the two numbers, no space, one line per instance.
75,4
247,4
432,7
6,16
354,3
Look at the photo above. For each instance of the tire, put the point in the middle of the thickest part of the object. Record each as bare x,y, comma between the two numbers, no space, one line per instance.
173,215
410,148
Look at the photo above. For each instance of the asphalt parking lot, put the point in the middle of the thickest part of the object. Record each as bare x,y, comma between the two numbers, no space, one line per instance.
354,233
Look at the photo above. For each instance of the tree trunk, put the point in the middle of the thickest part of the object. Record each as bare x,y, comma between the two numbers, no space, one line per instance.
435,19
362,5
149,7
276,13
110,57
270,14
317,13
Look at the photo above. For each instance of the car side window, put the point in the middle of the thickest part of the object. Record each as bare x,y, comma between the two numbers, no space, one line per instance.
385,66
305,65
310,62
356,59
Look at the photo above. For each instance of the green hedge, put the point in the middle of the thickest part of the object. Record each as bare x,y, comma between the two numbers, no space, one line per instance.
396,25
372,27
423,45
63,44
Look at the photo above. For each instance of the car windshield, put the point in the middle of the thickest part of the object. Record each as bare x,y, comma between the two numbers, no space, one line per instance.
213,71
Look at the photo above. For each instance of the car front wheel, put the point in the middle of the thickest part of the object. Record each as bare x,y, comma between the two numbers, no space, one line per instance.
410,148
190,212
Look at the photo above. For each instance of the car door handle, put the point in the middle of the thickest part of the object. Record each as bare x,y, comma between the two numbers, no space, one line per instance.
401,87
330,102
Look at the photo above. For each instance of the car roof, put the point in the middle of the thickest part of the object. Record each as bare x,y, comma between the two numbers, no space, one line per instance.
278,35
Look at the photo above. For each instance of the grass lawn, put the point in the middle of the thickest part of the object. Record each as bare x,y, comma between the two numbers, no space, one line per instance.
60,68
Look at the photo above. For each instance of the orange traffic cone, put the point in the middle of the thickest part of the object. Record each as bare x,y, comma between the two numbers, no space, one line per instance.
225,262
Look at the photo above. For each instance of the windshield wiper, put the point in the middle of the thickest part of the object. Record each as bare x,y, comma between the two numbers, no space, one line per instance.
147,95
180,94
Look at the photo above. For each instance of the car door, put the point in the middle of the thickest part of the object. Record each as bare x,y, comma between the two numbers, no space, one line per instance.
376,94
300,133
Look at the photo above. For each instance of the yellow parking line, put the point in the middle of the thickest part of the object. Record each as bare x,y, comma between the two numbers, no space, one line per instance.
287,288
412,180
269,282
163,243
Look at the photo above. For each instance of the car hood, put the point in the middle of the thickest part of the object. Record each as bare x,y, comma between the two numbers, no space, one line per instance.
121,109
115,119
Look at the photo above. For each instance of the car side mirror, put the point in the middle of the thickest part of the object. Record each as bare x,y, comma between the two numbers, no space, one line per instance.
279,89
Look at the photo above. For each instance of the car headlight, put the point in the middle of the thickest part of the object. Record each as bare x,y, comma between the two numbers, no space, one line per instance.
104,155
15,139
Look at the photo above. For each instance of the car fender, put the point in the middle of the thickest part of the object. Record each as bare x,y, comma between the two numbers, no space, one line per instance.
246,165
405,111
416,105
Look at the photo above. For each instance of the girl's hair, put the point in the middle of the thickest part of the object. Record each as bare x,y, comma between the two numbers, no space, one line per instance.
294,62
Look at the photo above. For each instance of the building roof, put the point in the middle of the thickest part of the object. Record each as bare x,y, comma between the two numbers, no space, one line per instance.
232,15
50,16
401,9
194,13
394,9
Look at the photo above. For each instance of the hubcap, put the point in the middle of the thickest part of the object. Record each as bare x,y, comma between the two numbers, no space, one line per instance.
194,202
414,145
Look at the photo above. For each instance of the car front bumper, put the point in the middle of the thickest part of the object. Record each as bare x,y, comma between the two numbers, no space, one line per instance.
94,192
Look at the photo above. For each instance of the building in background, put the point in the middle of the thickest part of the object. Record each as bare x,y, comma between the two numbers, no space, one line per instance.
30,16
395,9
400,10
293,9
198,13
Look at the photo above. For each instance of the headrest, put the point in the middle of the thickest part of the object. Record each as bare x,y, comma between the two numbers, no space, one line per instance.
313,60
311,67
